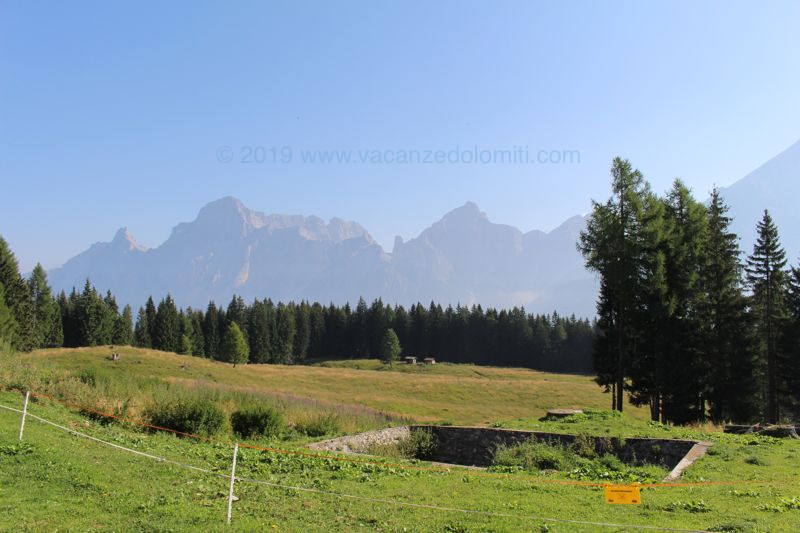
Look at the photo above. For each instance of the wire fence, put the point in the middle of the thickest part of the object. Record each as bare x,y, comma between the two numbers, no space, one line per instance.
232,477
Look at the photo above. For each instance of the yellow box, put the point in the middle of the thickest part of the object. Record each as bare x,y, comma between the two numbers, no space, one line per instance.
622,494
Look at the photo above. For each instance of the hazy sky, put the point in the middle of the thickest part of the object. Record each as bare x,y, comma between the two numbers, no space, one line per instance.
116,115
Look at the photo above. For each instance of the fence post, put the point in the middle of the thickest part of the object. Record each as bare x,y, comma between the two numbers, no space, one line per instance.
233,478
24,413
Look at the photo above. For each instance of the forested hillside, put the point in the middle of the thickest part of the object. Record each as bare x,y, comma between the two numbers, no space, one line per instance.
293,332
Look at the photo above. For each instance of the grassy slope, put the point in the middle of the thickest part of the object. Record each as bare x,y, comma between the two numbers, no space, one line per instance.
461,394
63,482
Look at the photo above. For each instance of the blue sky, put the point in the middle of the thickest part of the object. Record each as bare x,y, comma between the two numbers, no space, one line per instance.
113,115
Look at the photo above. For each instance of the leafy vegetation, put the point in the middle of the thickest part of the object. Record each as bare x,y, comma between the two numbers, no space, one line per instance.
257,420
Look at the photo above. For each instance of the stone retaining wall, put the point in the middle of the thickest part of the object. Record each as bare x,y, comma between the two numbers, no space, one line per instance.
476,446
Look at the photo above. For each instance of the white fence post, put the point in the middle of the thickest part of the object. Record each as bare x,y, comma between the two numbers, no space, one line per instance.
24,412
233,478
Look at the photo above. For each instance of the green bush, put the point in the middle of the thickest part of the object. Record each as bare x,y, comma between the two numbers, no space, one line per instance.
198,416
533,455
420,444
257,420
320,424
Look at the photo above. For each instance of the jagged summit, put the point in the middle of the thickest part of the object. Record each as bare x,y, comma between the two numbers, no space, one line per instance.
231,249
124,239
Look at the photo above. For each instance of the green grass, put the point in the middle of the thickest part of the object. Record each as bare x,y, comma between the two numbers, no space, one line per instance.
56,481
460,394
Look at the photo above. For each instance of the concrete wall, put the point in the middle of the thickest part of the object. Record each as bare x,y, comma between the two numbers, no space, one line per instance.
476,446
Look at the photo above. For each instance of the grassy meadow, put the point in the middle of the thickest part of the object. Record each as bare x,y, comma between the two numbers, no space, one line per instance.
457,394
57,481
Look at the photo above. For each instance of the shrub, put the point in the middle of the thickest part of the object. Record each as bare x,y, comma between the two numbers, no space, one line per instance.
188,415
533,455
320,424
257,420
420,444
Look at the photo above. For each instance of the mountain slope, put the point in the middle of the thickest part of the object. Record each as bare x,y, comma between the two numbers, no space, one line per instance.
229,249
775,185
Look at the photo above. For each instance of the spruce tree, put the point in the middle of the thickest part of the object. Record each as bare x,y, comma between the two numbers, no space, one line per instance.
198,340
150,311
46,328
8,324
302,336
211,331
17,298
790,347
728,347
259,333
766,279
141,334
123,328
283,340
167,327
681,357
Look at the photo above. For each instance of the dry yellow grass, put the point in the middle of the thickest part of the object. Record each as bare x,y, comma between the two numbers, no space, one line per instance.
460,394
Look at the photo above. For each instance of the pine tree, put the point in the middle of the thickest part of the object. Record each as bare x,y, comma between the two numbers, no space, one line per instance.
234,345
766,279
283,340
682,357
46,327
198,340
259,333
8,324
167,327
729,369
211,331
790,347
91,316
141,334
317,333
150,311
17,298
302,336
123,328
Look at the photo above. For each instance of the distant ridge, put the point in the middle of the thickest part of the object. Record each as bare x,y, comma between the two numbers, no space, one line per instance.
230,249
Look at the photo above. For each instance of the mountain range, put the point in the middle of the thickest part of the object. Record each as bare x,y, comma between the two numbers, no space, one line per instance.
230,249
461,258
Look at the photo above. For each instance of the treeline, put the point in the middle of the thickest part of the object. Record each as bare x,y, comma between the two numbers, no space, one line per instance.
294,332
288,332
685,325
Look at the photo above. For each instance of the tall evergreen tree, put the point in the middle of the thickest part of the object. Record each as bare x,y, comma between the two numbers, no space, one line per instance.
150,311
8,324
211,331
729,362
17,298
47,327
141,334
611,246
167,327
123,328
790,347
259,333
766,278
682,381
283,340
302,337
